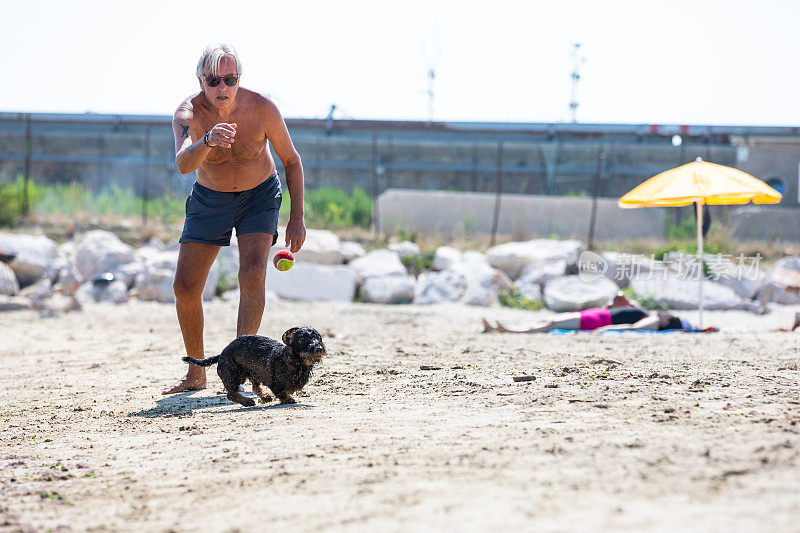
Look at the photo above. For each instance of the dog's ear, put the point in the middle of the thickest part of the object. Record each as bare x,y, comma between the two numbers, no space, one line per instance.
288,336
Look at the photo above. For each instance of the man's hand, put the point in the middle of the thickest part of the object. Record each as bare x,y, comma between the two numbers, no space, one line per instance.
222,135
295,234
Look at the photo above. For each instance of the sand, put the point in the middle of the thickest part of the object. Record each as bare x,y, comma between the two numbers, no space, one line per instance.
616,433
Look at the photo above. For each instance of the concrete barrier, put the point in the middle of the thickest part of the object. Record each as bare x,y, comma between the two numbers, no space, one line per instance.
520,215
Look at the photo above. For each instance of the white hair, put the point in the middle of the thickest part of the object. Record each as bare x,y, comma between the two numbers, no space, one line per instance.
212,56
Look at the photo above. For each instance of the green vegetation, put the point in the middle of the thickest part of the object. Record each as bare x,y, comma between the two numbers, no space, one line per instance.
333,208
326,207
513,298
416,264
75,198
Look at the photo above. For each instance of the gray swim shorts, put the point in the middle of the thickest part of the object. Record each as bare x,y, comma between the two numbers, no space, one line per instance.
211,215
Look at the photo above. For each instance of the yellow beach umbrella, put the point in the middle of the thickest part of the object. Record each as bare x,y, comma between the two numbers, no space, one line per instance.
700,182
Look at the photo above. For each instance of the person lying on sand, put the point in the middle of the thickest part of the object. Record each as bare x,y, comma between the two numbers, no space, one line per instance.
600,319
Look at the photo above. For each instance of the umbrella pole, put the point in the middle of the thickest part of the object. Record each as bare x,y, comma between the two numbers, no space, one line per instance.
701,274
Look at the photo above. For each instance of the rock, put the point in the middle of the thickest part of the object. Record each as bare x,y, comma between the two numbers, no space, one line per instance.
570,293
392,289
350,250
57,303
540,272
484,283
622,268
529,289
130,274
320,247
41,290
511,257
14,303
405,249
227,263
377,263
436,287
680,293
313,282
100,251
33,255
744,279
115,292
9,285
782,277
444,257
159,274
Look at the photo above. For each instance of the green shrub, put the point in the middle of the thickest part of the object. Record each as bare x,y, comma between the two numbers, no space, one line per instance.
416,264
330,207
513,298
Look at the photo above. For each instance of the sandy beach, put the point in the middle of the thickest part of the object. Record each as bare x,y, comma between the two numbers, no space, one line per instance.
412,423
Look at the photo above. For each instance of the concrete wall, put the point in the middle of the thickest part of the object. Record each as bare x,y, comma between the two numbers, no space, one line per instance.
527,216
765,223
520,215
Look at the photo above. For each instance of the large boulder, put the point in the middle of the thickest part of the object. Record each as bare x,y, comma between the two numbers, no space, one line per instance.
541,272
33,255
313,282
9,285
682,293
321,247
159,275
783,280
227,264
484,283
100,251
436,287
392,289
571,293
93,292
14,303
512,257
445,256
529,289
377,263
405,249
350,250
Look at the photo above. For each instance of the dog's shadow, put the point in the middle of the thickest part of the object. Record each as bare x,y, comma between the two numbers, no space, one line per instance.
182,404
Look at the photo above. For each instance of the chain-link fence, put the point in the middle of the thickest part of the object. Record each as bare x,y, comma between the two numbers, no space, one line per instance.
137,153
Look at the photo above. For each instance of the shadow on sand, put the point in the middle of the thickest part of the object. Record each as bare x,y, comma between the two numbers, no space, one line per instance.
182,404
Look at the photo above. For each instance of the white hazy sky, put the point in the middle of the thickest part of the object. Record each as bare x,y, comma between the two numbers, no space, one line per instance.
646,61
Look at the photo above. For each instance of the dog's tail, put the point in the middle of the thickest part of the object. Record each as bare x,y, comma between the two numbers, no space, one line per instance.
202,362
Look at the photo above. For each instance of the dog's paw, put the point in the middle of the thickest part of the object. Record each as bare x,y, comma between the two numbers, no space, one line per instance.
265,399
289,400
248,402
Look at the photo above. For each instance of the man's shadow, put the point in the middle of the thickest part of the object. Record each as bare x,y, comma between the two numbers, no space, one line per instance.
182,403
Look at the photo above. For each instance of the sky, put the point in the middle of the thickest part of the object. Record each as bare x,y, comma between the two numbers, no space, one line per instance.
652,62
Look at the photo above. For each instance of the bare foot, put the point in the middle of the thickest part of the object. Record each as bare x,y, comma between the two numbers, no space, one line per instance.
185,384
487,328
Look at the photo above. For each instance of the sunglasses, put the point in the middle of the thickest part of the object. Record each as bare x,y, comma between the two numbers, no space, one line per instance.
230,81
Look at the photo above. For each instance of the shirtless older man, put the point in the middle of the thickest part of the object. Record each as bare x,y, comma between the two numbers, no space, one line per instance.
222,133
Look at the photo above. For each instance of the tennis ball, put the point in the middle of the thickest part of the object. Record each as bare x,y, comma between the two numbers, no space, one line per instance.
283,260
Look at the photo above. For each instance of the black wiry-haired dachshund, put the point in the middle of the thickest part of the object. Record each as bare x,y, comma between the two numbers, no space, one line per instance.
283,368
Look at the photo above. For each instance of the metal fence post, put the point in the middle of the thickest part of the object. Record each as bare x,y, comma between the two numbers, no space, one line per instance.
146,183
498,192
376,220
601,158
27,177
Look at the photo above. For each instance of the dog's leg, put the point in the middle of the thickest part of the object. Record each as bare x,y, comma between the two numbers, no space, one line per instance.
232,376
236,396
284,397
258,391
